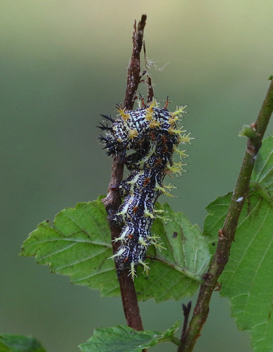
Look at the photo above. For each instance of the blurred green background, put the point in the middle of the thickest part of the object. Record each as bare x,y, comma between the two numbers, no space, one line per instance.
63,63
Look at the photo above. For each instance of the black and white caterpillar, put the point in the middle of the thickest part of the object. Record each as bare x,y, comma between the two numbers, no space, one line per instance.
151,133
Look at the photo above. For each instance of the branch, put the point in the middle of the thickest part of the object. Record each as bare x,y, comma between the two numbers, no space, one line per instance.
133,77
112,200
186,313
227,233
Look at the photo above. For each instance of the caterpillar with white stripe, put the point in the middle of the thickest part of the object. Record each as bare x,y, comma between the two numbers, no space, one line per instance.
151,133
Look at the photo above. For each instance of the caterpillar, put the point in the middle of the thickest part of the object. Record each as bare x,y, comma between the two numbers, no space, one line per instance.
146,140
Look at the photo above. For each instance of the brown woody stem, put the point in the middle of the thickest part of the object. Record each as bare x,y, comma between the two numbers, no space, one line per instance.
112,200
227,233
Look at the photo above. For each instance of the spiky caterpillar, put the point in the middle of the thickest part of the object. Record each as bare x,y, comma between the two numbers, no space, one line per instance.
151,132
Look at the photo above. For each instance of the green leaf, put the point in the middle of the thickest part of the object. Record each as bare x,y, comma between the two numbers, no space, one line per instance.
177,271
263,168
79,245
19,343
248,277
125,339
262,176
247,280
217,211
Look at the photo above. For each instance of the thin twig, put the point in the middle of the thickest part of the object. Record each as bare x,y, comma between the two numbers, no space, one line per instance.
186,313
133,77
112,200
150,90
227,233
